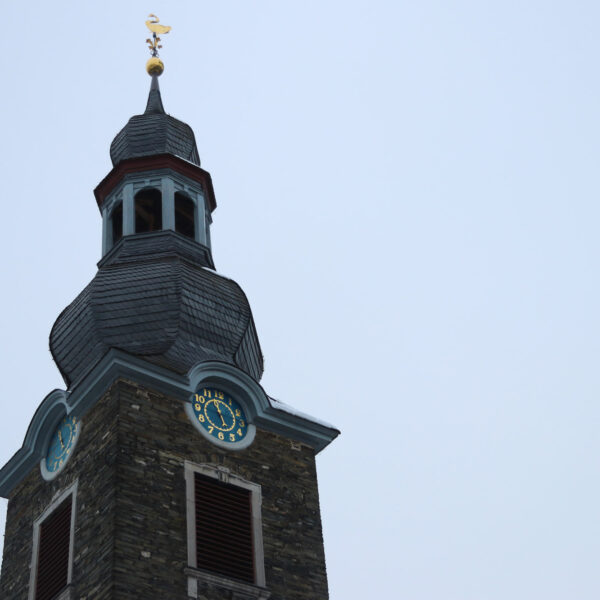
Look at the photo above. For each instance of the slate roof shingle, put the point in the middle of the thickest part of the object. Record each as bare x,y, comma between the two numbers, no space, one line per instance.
154,132
166,306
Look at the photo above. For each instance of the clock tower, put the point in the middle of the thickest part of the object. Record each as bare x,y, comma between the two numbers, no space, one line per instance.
163,470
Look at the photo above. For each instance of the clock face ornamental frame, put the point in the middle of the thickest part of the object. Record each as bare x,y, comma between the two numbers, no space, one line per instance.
60,447
220,418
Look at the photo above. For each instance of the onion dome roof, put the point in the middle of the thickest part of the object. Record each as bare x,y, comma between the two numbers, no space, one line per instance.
156,296
154,132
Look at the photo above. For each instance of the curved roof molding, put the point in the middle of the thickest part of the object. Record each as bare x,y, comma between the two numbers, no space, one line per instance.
267,413
254,399
52,409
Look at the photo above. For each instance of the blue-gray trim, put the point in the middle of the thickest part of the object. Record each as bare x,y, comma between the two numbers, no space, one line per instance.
117,364
169,182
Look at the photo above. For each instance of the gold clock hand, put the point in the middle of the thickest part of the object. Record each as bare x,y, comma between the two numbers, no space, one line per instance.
220,414
61,440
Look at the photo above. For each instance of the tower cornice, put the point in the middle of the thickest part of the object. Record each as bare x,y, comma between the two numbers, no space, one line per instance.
268,414
151,163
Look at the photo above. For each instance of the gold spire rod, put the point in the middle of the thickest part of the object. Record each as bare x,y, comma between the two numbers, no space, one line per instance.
155,66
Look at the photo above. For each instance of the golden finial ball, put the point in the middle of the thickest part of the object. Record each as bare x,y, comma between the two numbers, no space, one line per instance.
155,66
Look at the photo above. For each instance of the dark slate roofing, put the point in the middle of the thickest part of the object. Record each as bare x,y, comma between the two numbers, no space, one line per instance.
166,306
154,132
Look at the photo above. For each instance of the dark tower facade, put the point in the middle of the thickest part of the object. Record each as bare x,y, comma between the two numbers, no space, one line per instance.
163,470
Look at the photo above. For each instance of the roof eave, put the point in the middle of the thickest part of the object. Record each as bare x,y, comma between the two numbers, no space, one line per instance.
150,163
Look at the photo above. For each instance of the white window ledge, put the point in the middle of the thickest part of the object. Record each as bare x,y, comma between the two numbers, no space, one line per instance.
241,590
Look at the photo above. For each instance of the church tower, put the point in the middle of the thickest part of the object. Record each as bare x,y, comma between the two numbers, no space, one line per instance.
163,470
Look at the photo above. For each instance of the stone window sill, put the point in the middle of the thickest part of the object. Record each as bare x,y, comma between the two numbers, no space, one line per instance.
200,582
65,594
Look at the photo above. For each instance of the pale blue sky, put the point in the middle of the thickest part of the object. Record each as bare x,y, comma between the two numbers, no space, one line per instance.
408,194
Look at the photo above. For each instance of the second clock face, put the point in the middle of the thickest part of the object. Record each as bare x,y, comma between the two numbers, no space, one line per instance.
220,415
62,444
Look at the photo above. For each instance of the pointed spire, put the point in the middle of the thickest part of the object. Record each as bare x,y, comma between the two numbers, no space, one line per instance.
155,105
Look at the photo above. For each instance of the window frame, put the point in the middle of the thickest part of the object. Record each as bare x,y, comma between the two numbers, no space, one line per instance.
56,502
225,476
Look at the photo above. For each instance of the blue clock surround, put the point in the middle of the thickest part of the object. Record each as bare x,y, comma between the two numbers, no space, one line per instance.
241,442
61,446
244,394
221,415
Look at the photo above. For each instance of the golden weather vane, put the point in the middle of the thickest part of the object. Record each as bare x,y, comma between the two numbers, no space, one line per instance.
155,66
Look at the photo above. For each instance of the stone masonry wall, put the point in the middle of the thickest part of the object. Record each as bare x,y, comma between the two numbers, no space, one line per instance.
130,531
155,437
93,465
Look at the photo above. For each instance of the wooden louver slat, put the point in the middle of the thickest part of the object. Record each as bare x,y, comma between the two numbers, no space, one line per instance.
53,552
224,542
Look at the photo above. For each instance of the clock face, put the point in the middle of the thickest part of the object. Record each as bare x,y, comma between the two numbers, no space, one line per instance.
62,444
220,415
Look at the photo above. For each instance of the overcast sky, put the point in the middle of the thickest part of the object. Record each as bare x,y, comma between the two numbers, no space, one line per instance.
408,194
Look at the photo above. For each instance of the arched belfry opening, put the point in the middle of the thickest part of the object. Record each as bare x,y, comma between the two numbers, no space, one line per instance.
148,210
116,220
185,221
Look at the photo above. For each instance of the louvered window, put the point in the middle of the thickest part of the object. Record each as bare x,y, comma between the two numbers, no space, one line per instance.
53,552
224,541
